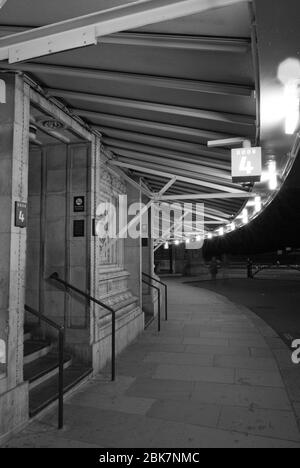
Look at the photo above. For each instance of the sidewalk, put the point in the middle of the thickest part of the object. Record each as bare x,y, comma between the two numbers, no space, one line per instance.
210,379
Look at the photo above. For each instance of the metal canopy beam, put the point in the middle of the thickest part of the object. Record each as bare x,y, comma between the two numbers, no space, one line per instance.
137,79
132,182
208,181
85,30
170,41
117,147
108,121
167,174
167,187
196,134
131,140
201,114
178,164
209,196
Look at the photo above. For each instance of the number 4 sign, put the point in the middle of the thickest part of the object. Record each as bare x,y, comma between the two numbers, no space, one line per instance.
246,164
20,214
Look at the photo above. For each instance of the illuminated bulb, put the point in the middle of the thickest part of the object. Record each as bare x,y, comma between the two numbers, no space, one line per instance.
187,241
177,242
166,246
245,216
221,231
210,235
273,182
258,204
198,238
232,226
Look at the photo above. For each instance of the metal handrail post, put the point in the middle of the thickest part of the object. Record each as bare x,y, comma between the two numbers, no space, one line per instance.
61,340
166,292
113,347
61,344
159,296
55,277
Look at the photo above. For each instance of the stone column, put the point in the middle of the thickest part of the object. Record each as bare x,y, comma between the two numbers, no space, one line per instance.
14,137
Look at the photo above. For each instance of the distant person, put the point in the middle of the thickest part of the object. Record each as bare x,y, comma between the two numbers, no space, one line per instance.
250,269
213,268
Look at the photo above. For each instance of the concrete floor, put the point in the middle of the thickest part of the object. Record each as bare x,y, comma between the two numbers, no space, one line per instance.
214,377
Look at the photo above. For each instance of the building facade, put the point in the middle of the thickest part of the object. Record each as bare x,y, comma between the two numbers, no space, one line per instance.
54,185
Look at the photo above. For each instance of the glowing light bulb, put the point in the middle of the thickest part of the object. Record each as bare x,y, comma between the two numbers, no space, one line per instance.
166,246
258,204
245,216
221,231
273,181
210,235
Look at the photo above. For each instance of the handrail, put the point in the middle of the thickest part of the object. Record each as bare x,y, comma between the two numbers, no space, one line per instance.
61,344
159,309
55,277
166,292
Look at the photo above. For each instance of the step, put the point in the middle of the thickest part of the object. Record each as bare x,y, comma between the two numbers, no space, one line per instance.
125,303
27,336
36,372
29,331
149,318
35,349
46,393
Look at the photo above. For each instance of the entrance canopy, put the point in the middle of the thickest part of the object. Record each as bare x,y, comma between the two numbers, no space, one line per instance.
158,79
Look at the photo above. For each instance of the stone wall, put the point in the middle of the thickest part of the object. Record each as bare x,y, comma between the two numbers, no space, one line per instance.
14,125
115,268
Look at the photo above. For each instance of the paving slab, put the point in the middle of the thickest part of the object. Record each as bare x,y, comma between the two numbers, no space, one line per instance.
214,377
241,395
188,412
181,358
194,373
259,377
241,351
266,423
240,362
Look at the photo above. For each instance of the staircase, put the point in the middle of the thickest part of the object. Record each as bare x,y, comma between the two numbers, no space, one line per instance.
41,370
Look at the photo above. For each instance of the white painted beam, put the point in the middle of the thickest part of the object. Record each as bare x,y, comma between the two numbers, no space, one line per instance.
107,121
136,141
180,165
170,41
208,196
201,114
199,159
209,181
166,187
128,179
85,30
167,174
137,79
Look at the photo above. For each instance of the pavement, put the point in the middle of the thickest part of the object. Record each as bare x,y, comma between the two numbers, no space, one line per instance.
216,376
274,299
